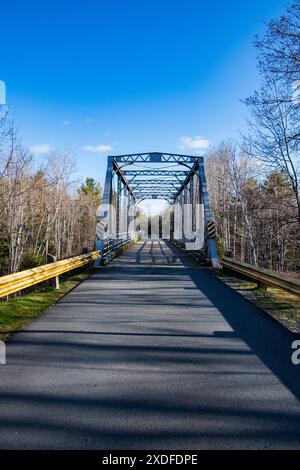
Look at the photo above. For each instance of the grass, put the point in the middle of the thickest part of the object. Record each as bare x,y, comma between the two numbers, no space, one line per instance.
18,312
282,305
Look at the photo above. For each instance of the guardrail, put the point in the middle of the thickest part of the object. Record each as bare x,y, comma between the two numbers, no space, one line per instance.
23,279
112,244
262,276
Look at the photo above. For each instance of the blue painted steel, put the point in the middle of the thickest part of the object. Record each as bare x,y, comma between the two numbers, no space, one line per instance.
211,243
175,185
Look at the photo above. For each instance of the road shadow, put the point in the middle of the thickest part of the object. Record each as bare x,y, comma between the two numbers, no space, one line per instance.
266,338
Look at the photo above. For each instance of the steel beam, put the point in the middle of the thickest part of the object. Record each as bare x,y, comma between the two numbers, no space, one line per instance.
154,157
175,173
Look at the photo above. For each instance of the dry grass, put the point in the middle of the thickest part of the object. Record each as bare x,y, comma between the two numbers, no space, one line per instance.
282,305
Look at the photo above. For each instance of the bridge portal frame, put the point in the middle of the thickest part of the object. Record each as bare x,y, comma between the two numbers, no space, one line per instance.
178,186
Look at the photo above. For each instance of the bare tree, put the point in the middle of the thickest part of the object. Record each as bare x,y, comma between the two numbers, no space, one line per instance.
274,110
13,160
231,178
279,52
271,134
252,208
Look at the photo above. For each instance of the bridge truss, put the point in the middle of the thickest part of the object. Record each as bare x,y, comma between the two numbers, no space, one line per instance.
178,179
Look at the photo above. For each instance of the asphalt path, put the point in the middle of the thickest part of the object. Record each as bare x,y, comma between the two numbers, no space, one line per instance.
152,351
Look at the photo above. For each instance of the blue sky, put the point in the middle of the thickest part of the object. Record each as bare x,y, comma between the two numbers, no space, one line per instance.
121,76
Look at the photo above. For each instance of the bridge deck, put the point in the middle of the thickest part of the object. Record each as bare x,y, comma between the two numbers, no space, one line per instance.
152,351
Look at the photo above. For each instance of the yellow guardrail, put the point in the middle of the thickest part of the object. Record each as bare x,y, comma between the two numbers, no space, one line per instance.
262,276
22,279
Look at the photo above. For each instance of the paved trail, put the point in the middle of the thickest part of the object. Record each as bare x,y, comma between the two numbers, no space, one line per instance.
152,351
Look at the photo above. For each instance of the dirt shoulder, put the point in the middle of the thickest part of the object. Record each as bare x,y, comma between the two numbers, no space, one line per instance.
281,305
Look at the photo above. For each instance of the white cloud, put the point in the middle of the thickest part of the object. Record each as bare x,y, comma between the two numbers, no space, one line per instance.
40,149
196,143
66,122
97,148
88,120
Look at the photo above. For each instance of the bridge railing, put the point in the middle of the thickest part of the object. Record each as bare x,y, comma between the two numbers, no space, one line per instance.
21,280
112,244
262,276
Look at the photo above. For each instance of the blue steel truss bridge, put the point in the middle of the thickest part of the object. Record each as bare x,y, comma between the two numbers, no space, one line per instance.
178,179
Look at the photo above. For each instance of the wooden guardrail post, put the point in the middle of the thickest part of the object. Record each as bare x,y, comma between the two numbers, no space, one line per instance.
21,280
262,285
263,277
